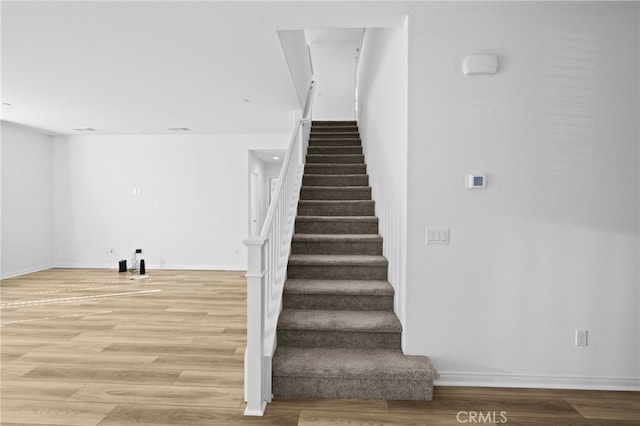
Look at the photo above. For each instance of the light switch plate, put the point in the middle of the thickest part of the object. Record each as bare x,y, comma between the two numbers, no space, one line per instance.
582,338
437,236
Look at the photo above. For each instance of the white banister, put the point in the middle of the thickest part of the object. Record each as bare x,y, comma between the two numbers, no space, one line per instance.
267,268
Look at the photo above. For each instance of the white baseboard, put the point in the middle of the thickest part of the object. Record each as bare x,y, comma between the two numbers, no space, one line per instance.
14,274
199,267
25,271
454,378
160,267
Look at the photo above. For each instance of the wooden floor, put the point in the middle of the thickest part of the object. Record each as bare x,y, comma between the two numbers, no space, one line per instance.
91,347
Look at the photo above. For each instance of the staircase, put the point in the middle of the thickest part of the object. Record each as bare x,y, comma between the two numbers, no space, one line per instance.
338,336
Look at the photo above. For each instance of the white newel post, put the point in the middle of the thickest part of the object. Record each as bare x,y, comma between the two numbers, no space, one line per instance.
254,357
267,270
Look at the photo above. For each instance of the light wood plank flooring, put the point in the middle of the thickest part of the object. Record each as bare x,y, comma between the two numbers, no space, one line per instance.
91,347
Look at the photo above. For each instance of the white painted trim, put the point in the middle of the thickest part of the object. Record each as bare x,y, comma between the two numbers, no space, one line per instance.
454,378
102,266
31,270
259,412
200,267
162,267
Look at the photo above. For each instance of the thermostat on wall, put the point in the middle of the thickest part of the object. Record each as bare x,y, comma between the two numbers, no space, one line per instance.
475,181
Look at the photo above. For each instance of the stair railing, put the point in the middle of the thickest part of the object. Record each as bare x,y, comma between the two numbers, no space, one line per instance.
268,255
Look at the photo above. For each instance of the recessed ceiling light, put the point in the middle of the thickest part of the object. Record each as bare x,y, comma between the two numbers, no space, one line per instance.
84,129
275,157
178,129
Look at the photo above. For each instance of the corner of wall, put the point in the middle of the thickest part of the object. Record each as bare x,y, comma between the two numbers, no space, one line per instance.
27,200
383,125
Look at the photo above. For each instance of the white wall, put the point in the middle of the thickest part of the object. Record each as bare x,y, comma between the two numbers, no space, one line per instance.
265,170
27,228
382,121
334,66
294,44
257,167
272,172
551,245
192,210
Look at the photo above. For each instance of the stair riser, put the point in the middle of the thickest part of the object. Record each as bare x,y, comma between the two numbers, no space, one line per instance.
346,388
363,208
337,193
330,135
335,169
334,129
329,123
335,159
338,302
336,180
337,272
318,143
338,339
336,150
336,227
349,248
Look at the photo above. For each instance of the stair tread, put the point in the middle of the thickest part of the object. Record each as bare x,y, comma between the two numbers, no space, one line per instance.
337,136
326,130
337,259
333,143
337,201
333,127
337,188
338,219
351,363
336,237
327,158
337,148
339,321
336,166
333,122
335,155
339,336
339,287
345,165
331,175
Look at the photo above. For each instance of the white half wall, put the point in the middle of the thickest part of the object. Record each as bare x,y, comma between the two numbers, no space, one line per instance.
191,211
382,122
27,226
551,245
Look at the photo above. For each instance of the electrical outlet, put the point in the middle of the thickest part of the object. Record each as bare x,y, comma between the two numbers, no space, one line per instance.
138,251
582,338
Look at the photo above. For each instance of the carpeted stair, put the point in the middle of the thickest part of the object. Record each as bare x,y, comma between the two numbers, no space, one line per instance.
338,336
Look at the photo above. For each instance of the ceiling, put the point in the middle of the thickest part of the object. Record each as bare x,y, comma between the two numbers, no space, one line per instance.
332,35
131,67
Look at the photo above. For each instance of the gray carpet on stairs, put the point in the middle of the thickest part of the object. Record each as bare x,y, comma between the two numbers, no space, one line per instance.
338,336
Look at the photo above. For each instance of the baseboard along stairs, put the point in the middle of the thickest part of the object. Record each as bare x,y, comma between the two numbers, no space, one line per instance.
338,336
